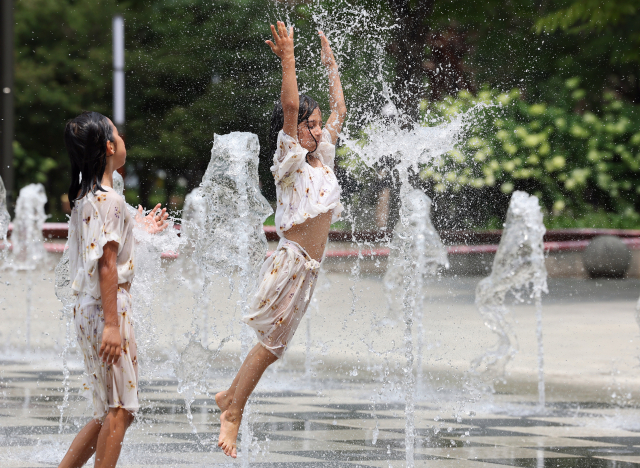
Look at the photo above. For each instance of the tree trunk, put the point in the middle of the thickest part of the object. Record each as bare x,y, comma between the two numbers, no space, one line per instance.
408,49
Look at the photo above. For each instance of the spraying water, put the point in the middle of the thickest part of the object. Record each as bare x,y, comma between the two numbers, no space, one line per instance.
26,238
65,295
416,253
194,216
118,183
27,241
4,221
191,369
518,267
232,240
424,252
194,213
150,276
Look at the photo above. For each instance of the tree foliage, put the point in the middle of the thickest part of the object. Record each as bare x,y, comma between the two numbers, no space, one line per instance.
195,68
588,15
63,66
582,165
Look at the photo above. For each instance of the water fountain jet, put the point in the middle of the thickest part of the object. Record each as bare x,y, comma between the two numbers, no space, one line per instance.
27,241
518,267
232,241
416,253
4,221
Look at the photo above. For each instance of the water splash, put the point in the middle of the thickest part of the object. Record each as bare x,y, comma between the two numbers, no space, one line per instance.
65,295
416,246
194,217
26,238
231,240
118,183
4,221
149,277
411,147
194,213
27,241
191,369
416,253
518,267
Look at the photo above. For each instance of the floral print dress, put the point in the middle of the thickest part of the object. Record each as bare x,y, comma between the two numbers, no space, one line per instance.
288,277
304,191
95,220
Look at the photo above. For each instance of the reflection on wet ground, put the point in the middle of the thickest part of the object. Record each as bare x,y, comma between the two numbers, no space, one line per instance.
321,428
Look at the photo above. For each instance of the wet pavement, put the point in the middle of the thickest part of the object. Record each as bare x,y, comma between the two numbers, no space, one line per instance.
321,428
336,399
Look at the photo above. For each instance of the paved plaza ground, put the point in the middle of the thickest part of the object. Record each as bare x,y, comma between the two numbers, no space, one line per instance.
336,399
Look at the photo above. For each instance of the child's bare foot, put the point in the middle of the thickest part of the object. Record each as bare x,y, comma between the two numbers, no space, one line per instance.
223,400
229,426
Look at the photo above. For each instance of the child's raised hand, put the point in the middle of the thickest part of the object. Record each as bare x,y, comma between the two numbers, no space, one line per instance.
155,221
328,60
283,46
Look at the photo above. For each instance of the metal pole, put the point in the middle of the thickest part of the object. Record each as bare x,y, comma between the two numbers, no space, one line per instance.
118,73
6,96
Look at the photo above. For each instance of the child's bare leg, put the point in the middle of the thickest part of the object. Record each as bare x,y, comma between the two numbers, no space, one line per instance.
83,446
257,361
225,397
111,435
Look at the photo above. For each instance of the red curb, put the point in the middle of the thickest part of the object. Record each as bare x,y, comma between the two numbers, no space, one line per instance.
580,238
566,246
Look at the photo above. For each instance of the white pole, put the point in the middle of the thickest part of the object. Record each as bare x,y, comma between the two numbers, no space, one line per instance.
118,70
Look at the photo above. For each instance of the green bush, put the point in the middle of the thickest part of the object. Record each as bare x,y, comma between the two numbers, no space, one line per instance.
582,163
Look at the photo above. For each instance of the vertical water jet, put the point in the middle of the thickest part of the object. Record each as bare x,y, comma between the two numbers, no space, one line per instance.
518,267
27,240
194,213
232,242
65,295
416,253
4,221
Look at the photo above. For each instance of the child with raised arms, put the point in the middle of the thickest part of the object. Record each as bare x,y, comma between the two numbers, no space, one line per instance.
308,202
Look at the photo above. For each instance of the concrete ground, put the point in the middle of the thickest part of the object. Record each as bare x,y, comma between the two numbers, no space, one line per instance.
590,333
319,428
337,397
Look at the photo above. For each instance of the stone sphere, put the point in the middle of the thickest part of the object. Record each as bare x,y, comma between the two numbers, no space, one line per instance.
606,257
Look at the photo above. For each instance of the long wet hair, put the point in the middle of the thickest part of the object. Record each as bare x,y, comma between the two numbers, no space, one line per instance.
86,139
307,106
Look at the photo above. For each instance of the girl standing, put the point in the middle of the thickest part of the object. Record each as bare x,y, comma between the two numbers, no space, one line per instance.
101,268
308,202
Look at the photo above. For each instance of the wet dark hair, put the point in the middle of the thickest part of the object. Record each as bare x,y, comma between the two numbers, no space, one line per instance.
307,106
86,139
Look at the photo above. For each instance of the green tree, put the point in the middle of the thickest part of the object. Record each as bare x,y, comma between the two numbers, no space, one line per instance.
63,66
195,68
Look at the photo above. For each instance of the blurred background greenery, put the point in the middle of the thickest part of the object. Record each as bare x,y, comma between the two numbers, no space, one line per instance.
566,76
